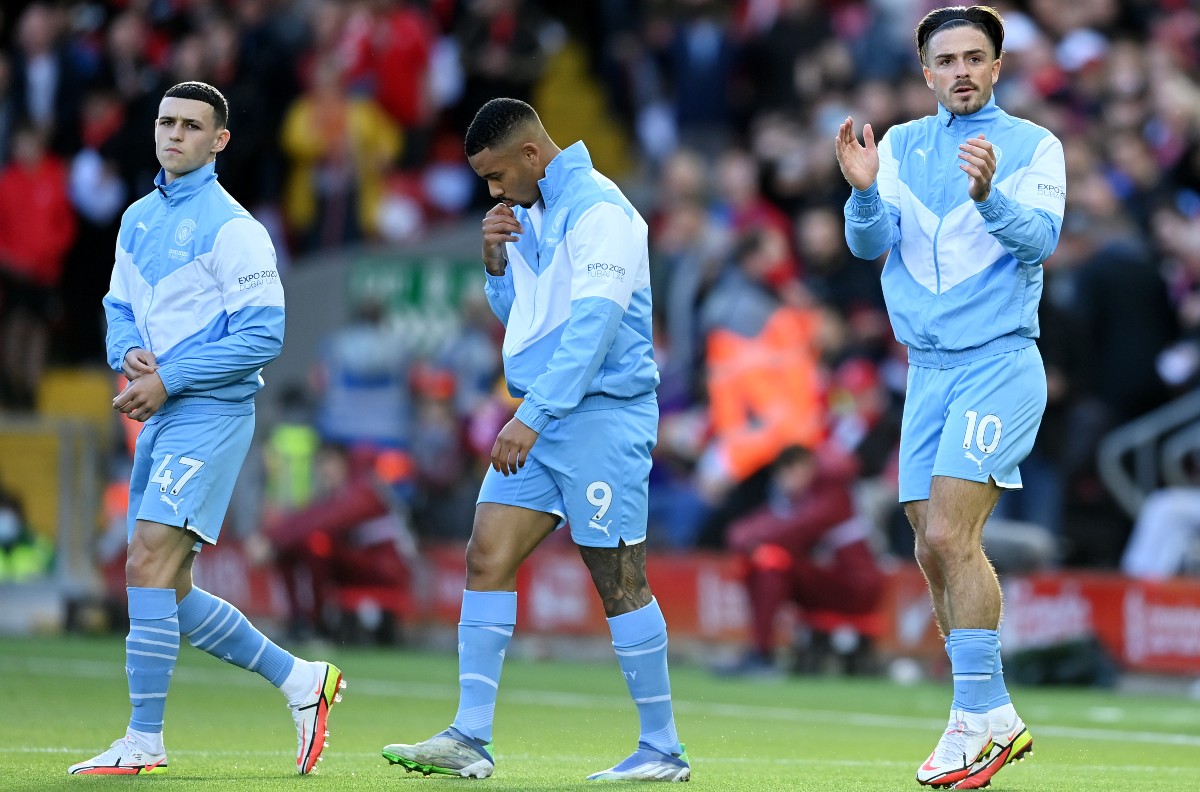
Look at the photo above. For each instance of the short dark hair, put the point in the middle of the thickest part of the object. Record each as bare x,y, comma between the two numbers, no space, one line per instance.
793,454
985,18
496,123
202,92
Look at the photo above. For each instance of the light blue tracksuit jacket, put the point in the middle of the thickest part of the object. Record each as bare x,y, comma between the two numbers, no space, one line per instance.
575,298
962,279
195,282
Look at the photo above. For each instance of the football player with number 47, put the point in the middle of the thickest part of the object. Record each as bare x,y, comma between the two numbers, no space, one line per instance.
195,310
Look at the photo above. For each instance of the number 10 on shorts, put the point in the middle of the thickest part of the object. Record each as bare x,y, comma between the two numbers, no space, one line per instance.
978,431
164,478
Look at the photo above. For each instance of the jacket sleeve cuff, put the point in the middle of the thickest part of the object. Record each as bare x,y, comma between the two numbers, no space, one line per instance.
120,364
171,378
866,204
532,417
996,208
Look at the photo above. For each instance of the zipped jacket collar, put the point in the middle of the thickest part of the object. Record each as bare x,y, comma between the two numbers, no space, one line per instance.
573,157
982,117
186,186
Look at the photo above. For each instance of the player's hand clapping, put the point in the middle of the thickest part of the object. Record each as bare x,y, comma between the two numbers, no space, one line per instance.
859,163
500,225
979,162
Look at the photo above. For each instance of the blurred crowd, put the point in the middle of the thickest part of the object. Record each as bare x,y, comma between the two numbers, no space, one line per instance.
347,118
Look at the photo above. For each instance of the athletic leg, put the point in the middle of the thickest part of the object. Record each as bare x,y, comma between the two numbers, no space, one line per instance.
215,626
916,511
952,538
639,635
502,537
195,458
156,554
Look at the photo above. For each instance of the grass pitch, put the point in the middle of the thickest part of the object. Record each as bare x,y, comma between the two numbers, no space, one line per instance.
557,722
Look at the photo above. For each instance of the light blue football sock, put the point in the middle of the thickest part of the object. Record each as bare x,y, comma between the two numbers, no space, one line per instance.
220,629
640,641
972,658
997,692
151,649
484,630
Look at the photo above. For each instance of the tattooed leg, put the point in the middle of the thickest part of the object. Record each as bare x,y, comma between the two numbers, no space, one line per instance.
639,635
619,574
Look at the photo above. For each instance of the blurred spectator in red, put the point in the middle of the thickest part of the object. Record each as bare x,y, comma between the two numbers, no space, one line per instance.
341,148
742,209
354,534
396,47
864,423
37,225
864,428
805,546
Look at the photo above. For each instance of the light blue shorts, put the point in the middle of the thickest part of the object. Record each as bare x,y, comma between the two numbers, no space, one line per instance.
184,469
592,469
975,421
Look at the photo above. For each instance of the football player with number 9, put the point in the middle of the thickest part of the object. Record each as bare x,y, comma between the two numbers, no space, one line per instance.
567,269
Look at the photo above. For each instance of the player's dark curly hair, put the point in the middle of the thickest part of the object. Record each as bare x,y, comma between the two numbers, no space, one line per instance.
202,92
496,122
985,18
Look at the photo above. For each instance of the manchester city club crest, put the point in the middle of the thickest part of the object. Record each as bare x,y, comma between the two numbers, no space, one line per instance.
183,234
